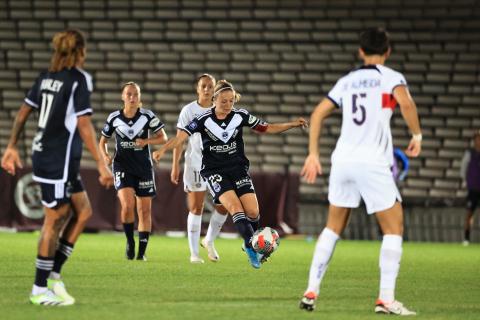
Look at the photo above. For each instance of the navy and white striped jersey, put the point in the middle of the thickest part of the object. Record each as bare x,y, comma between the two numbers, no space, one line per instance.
60,97
222,141
135,160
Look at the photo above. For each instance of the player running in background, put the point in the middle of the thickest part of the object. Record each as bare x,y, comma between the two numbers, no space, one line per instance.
224,164
194,184
132,164
470,173
61,95
361,163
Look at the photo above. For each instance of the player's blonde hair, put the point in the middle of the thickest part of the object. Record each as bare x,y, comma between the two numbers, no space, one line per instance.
68,49
223,85
131,83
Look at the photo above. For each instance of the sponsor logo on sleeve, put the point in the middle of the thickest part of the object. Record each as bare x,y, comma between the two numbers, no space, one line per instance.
192,125
106,127
154,122
251,119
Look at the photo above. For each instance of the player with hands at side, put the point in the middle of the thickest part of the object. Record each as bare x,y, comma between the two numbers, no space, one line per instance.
62,96
132,164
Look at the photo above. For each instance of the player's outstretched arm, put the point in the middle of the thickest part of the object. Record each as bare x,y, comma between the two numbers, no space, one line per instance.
87,133
169,145
177,156
410,114
273,128
312,166
11,159
158,138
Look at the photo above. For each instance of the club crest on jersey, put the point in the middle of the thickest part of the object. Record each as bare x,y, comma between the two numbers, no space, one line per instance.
130,132
224,135
251,119
216,187
154,122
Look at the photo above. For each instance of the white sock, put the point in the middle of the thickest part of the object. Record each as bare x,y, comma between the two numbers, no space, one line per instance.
216,223
194,224
389,262
55,276
323,252
38,290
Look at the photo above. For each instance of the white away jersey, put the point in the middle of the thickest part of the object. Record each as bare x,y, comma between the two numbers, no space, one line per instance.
365,96
193,153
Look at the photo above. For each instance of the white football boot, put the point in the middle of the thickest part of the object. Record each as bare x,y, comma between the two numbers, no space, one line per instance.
395,308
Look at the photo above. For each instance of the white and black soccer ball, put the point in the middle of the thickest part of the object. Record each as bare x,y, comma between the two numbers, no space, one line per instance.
265,240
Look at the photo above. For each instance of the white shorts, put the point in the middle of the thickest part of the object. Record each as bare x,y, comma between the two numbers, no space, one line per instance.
192,180
351,181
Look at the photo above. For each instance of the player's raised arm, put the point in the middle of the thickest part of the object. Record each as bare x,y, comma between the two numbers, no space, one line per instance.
410,114
312,166
11,159
169,145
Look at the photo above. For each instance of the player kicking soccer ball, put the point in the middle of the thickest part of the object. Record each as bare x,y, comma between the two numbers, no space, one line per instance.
224,163
361,164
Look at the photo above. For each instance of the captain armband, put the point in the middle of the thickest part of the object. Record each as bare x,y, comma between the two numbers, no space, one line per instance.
261,127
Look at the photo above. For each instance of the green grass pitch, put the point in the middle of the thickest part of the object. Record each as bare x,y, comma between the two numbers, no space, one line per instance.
439,281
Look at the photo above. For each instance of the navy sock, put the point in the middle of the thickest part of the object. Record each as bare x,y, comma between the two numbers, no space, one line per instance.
128,229
467,235
43,267
142,242
64,251
254,222
243,227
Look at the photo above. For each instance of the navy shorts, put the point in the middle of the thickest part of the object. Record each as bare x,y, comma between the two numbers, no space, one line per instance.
54,194
221,181
473,197
144,186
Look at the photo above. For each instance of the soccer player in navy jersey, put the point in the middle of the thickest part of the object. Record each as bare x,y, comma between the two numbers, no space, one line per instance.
361,163
224,164
132,164
61,95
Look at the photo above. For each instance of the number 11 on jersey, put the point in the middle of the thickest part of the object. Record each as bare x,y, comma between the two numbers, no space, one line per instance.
47,101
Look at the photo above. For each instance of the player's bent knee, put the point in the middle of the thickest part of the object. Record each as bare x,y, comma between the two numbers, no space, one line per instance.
196,209
84,215
252,213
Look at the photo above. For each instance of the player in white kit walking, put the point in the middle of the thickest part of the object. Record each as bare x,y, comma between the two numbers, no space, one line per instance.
361,163
194,185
